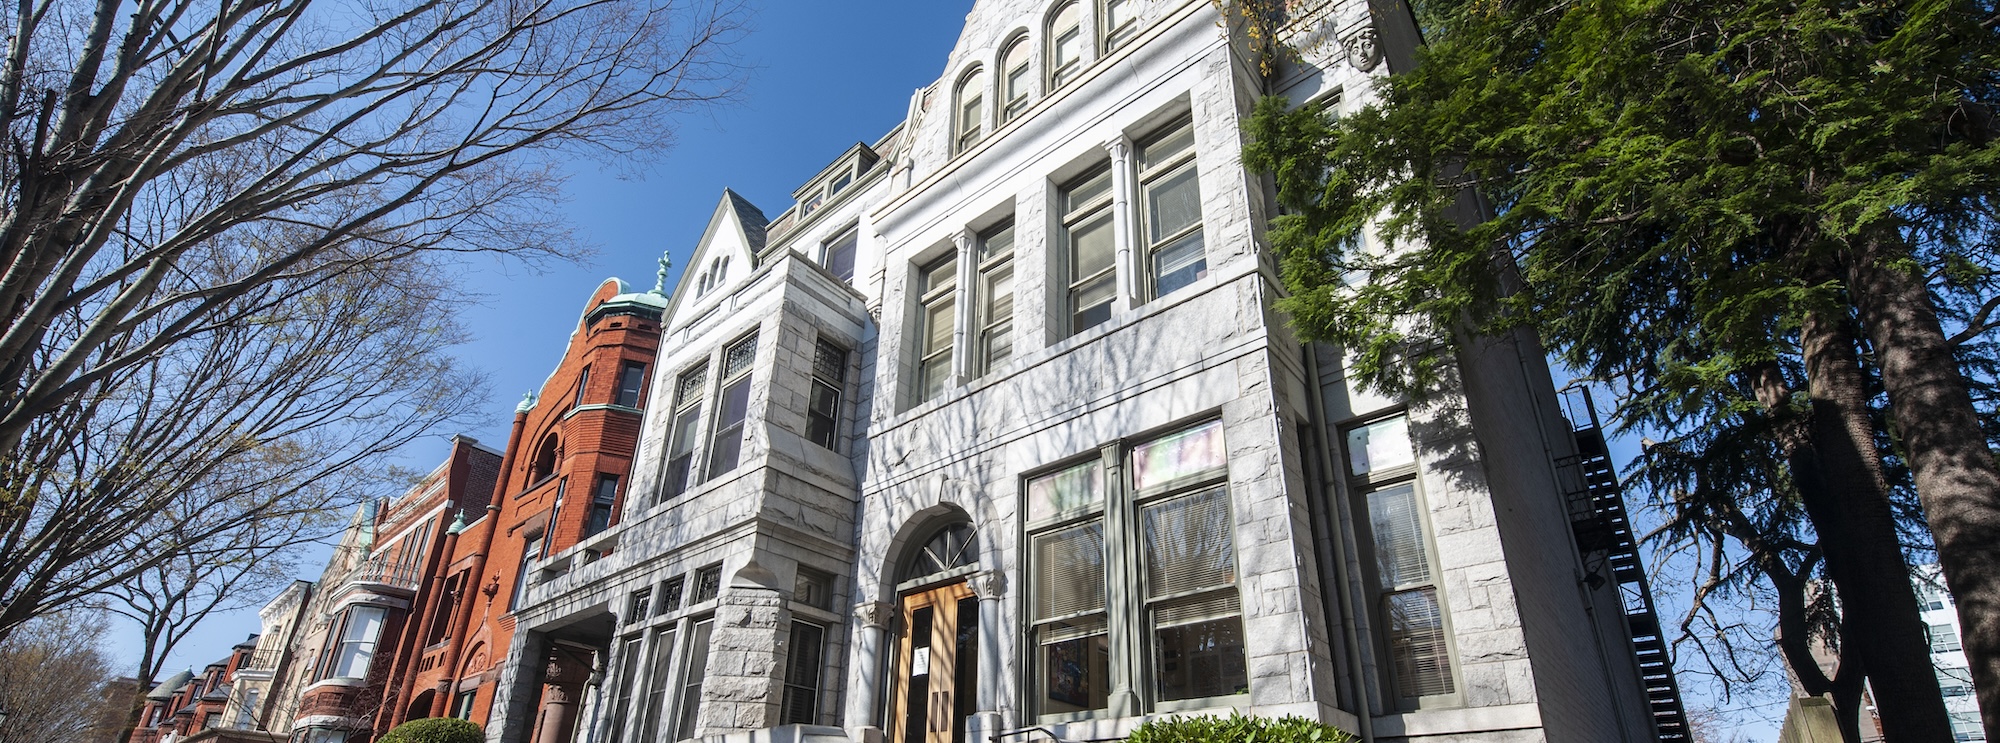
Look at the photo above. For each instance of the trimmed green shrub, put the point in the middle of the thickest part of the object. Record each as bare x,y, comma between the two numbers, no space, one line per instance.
435,730
1238,729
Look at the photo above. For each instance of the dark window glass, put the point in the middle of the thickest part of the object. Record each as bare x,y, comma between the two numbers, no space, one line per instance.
697,667
707,583
631,381
601,504
840,255
823,407
688,390
670,594
801,705
726,447
582,384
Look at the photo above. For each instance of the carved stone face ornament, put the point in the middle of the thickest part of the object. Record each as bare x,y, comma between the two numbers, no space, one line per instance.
1364,49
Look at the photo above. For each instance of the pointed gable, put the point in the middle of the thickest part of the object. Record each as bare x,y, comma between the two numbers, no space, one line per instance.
726,254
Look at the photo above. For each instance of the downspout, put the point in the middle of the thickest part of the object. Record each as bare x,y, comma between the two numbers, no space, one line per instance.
1330,551
478,571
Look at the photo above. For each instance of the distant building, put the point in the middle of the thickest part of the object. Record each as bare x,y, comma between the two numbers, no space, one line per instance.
191,707
1947,653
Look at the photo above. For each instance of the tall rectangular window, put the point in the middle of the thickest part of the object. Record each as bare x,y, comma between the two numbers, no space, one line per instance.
582,386
1382,464
1088,242
659,684
936,294
631,382
688,390
602,501
838,256
829,377
691,676
995,301
1017,82
1065,45
1171,210
531,550
732,406
801,704
358,633
462,708
628,683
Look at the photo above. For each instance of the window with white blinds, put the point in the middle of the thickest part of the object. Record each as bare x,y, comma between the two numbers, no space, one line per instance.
1382,465
1152,541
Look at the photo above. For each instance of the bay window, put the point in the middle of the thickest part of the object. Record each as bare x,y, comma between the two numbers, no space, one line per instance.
355,649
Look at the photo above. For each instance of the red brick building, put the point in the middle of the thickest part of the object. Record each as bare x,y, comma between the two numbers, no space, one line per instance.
187,703
562,482
343,670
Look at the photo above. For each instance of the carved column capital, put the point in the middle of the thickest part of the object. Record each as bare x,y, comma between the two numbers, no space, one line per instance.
875,614
988,585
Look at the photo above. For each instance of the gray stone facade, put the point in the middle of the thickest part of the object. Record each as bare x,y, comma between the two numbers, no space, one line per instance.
798,533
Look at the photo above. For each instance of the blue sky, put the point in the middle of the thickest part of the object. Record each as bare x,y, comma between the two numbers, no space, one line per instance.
822,76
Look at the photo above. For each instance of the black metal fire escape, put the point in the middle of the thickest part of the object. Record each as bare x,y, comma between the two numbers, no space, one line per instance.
1596,504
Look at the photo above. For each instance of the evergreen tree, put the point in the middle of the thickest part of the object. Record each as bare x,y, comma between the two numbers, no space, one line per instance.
1745,210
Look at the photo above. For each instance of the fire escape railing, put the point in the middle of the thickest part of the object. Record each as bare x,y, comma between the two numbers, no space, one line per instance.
1596,504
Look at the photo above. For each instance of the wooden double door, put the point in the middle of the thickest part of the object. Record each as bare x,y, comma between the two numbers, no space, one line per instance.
937,666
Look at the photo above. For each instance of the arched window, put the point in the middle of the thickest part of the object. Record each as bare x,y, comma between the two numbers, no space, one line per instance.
970,105
1065,39
1017,86
953,546
545,459
1120,23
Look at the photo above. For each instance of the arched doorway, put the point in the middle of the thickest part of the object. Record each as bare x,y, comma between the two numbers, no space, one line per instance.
937,659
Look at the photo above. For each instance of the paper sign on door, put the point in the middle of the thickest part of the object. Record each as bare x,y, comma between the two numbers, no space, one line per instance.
920,662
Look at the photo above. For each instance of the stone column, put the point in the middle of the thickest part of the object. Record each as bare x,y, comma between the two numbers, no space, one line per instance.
866,663
563,677
986,719
961,325
1123,225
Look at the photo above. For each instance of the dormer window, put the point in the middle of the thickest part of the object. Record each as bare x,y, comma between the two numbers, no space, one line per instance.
1121,23
840,184
971,108
1065,45
1016,84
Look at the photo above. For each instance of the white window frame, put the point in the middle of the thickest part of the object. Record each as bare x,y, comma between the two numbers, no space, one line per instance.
1152,175
988,324
936,282
1379,481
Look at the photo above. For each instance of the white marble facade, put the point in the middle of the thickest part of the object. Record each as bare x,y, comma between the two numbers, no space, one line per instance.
800,542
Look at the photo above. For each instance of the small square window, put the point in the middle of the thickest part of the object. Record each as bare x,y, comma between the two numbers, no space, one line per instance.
813,588
670,594
707,583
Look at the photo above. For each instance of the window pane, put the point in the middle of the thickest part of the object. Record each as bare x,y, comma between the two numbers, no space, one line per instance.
1189,544
1166,148
1378,446
697,668
822,414
1416,640
689,388
660,661
680,460
1091,248
1068,34
940,274
727,447
1172,204
829,362
1069,571
631,380
1000,242
999,344
1087,191
938,318
935,372
1076,666
628,684
740,357
1179,264
1093,304
1198,658
801,703
707,583
1181,454
1401,556
1072,489
840,256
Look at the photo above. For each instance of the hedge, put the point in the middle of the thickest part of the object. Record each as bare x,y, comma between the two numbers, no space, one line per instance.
435,730
1238,729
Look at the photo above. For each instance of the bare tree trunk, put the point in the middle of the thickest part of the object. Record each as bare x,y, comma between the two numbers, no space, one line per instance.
1956,475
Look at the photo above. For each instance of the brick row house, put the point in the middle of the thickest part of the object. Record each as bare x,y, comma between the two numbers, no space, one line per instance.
993,433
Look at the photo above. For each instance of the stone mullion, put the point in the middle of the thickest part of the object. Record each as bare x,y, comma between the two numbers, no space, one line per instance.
1123,595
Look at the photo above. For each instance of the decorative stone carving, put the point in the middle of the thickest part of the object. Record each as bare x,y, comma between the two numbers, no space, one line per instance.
1364,48
877,614
988,585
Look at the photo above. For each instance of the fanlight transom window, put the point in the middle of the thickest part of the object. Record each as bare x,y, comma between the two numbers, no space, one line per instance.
952,547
